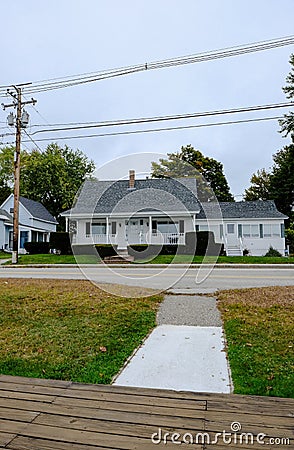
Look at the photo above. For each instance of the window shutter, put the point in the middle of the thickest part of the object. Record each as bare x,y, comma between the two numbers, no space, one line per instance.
88,230
154,226
181,226
282,230
260,230
113,227
221,231
239,230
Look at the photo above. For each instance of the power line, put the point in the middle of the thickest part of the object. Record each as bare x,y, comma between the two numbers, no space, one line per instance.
166,118
153,130
31,139
59,83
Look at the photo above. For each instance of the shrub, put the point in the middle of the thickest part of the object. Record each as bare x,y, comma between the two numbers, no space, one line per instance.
35,248
272,252
105,250
290,238
60,241
145,251
202,243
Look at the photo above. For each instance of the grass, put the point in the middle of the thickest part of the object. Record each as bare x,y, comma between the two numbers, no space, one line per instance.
167,259
56,259
160,259
69,330
259,330
4,255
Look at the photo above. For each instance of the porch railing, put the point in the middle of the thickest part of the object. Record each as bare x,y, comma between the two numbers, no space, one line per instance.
142,238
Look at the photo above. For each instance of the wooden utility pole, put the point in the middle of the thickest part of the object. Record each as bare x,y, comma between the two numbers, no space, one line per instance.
16,178
18,104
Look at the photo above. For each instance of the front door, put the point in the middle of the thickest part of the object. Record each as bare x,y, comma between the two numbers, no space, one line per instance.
231,233
133,231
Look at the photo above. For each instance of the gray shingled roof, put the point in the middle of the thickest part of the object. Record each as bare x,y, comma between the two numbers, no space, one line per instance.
251,210
8,217
37,210
158,194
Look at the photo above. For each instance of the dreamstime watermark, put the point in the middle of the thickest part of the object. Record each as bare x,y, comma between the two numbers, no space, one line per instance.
233,437
139,217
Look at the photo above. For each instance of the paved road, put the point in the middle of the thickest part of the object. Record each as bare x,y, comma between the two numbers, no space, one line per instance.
181,278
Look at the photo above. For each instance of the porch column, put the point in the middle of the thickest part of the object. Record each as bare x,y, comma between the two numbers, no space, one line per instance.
150,229
107,229
194,222
66,224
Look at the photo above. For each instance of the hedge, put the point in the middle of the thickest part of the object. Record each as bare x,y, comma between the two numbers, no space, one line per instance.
202,243
35,248
60,241
105,250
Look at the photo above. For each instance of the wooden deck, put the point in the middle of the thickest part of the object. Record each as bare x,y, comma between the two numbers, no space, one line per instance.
42,414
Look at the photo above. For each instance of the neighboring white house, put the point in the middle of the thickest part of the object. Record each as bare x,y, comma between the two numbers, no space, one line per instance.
162,211
35,223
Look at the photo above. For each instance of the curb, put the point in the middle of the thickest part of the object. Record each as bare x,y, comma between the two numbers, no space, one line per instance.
150,266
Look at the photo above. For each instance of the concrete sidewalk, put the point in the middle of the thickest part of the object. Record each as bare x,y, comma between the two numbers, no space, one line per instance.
186,351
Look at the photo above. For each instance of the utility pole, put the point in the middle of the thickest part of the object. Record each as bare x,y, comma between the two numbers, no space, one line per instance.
22,119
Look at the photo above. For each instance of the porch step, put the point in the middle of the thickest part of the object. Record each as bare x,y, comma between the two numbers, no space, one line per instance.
234,250
121,258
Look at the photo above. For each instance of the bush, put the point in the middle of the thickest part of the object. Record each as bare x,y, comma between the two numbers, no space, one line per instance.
145,251
60,241
272,252
202,243
105,250
35,248
290,238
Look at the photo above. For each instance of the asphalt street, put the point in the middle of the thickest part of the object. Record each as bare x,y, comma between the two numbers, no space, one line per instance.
201,279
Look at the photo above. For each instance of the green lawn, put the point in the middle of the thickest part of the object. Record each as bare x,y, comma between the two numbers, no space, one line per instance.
4,255
168,259
69,330
260,336
161,259
57,259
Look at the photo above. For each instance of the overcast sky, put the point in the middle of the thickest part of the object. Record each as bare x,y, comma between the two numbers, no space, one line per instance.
47,39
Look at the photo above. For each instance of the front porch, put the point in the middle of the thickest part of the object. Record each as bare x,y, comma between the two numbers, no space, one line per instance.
140,238
135,231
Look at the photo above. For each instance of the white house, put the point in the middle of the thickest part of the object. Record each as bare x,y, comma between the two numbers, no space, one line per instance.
35,223
162,211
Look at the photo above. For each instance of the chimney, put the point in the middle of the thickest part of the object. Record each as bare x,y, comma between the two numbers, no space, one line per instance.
131,179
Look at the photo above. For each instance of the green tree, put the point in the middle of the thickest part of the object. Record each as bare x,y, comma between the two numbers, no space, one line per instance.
54,176
187,163
6,172
287,123
282,179
260,186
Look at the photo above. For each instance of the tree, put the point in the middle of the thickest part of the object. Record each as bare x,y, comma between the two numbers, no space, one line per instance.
278,183
282,179
54,176
187,163
287,124
260,186
6,172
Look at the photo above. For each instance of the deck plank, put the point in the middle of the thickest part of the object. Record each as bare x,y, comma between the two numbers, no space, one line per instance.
5,438
38,414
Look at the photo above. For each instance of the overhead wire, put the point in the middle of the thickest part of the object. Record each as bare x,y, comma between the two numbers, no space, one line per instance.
165,118
120,133
68,81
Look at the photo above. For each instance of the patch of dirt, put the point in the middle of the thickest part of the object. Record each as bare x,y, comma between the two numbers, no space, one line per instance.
263,297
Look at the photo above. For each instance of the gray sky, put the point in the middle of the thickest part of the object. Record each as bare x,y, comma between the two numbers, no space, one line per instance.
41,40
